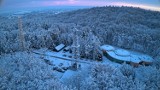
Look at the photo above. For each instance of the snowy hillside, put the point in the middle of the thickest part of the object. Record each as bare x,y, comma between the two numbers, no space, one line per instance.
130,28
48,50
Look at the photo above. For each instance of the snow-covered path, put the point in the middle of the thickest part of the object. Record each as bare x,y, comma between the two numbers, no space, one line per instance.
51,55
59,55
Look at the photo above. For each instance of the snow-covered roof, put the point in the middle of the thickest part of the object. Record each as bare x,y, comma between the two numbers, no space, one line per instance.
135,59
107,47
59,47
118,57
67,48
122,52
146,58
124,55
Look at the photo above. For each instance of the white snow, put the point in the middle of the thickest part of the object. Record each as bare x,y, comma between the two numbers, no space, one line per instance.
122,52
122,58
57,74
59,47
67,48
146,58
67,75
126,55
135,58
61,59
57,61
107,47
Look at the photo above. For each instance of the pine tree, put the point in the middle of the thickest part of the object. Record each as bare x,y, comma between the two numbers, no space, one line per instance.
57,33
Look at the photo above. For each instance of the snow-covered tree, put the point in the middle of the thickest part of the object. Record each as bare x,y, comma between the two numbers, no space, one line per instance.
24,71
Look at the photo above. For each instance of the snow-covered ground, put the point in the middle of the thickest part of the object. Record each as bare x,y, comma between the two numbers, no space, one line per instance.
67,75
141,73
63,59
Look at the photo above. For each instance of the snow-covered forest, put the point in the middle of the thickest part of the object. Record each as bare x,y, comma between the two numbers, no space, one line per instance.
130,28
125,27
22,70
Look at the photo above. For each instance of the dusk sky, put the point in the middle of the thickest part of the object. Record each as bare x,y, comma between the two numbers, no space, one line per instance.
147,4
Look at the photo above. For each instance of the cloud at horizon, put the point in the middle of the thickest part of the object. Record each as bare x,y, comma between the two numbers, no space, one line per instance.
146,4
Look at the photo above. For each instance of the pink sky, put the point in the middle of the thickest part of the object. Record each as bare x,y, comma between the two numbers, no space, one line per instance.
146,4
96,3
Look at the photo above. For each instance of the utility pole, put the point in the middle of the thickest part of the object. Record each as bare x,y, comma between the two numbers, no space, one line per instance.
21,34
